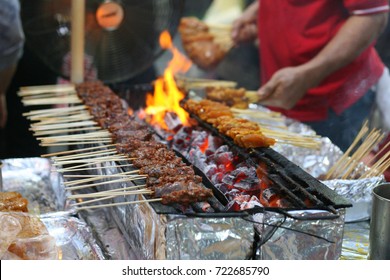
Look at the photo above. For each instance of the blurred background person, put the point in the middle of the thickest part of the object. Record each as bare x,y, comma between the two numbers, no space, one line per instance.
11,49
317,60
16,138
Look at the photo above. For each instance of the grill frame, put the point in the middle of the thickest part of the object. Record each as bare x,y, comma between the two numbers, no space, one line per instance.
283,169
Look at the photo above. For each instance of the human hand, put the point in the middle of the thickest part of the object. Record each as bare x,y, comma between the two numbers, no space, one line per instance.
244,29
285,88
3,110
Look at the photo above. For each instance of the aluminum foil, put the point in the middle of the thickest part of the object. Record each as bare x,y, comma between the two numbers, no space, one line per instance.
73,238
37,180
356,241
285,238
209,239
109,237
156,236
359,192
318,162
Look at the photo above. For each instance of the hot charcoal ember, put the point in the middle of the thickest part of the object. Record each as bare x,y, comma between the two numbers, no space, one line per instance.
231,97
245,133
200,44
243,185
168,176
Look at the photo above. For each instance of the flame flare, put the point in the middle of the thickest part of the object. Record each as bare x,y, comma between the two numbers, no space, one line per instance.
167,96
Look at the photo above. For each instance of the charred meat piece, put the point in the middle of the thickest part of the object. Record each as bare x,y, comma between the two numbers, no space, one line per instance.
166,170
183,193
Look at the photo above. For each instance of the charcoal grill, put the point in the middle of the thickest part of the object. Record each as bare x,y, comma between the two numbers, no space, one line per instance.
290,179
135,221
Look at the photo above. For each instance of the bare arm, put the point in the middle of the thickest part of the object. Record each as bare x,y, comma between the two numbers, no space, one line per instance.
288,85
244,28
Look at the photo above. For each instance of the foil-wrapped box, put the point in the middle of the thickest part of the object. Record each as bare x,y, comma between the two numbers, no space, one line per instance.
154,233
38,181
162,234
305,235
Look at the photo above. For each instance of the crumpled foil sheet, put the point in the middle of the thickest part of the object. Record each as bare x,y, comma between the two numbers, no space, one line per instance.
156,236
110,239
37,180
356,241
359,192
318,162
286,238
209,238
73,237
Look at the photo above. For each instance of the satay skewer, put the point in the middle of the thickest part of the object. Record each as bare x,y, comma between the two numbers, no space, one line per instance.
52,101
55,111
32,90
50,95
65,119
112,194
109,197
71,168
79,150
74,143
96,178
60,115
91,160
88,154
119,204
65,125
92,168
65,131
103,183
102,176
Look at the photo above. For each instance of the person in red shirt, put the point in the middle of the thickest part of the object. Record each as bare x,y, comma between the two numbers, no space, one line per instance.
317,60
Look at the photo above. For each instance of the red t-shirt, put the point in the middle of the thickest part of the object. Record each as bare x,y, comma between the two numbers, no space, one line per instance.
292,32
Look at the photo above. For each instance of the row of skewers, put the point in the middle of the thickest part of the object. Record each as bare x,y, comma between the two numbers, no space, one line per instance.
116,137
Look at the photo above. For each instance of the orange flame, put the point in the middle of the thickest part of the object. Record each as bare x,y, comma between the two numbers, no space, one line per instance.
167,96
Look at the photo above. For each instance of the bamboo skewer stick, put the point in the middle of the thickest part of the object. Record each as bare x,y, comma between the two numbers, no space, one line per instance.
65,125
339,165
101,132
58,120
102,176
96,178
108,197
72,137
112,194
71,168
52,101
55,111
65,131
75,143
119,204
83,157
88,154
71,143
94,168
51,95
348,163
124,189
379,167
91,160
362,151
59,115
37,90
255,112
78,150
103,183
